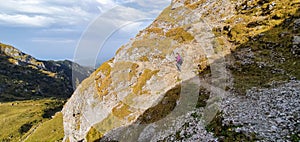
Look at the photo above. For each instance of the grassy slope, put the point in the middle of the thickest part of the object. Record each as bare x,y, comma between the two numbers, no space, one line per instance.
17,119
263,54
25,80
272,59
51,130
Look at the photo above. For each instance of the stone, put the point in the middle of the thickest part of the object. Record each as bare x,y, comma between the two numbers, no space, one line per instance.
275,120
296,24
177,3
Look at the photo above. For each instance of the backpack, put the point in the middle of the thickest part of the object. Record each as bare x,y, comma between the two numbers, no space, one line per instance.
180,61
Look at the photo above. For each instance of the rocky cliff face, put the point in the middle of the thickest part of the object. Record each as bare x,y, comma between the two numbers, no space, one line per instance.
228,47
23,77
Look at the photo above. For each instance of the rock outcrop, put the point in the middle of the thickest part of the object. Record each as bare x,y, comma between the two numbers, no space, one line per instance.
144,70
139,95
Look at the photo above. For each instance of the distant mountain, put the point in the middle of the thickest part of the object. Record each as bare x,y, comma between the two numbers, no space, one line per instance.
23,77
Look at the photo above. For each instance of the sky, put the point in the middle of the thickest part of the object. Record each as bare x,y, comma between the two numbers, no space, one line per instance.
84,31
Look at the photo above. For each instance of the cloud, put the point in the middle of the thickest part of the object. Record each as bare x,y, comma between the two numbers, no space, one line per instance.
106,5
58,30
153,4
53,40
17,19
121,15
45,13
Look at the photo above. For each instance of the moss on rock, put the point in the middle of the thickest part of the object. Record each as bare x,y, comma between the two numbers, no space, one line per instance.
145,76
180,35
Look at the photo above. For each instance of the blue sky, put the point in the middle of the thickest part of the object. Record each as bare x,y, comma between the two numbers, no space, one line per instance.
55,29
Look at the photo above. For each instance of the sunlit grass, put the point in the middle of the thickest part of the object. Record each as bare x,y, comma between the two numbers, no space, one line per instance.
17,119
51,130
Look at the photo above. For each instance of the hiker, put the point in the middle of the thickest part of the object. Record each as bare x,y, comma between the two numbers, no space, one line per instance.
178,61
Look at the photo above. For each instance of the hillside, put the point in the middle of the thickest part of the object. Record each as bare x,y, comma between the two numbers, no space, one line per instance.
239,79
23,77
23,120
31,92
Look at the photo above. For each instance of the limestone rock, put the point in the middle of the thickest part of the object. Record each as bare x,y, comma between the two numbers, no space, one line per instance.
138,89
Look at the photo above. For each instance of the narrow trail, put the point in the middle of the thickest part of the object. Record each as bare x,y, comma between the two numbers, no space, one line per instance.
32,130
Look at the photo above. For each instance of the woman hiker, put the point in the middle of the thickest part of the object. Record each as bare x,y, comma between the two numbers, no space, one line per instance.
178,62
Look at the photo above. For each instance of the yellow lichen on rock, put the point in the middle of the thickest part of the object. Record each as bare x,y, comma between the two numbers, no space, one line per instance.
144,59
145,76
180,35
105,68
13,61
103,78
155,30
121,110
148,45
133,70
196,4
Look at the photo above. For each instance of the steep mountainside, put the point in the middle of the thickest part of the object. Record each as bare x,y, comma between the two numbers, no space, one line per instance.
23,77
239,79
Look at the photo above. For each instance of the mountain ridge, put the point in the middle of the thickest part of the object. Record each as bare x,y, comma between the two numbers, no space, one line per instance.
21,72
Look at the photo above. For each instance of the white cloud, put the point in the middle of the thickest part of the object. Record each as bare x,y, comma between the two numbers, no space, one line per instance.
58,30
121,15
106,5
53,40
44,13
25,20
130,19
38,12
153,4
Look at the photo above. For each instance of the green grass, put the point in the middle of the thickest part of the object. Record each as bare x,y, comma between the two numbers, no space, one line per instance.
18,118
274,51
268,36
51,130
93,135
